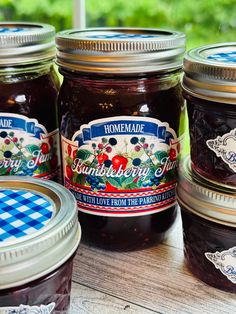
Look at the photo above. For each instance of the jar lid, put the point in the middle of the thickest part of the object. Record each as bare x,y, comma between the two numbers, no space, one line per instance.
22,42
210,72
120,50
210,201
39,229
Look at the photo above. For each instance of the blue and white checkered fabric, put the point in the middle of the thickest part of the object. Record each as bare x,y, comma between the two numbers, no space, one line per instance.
11,29
224,57
121,36
22,213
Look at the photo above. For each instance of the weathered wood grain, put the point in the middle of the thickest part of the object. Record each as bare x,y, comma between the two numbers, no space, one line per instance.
155,278
85,300
175,239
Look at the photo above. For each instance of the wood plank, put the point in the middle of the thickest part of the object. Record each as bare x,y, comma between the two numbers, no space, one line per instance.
175,239
85,300
155,278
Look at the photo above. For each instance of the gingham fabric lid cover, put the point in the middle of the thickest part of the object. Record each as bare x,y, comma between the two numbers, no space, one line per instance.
39,229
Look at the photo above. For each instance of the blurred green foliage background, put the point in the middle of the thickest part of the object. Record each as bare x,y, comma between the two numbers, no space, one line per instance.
204,21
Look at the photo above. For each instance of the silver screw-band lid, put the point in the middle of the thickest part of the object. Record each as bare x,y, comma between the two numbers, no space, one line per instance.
120,50
213,202
210,72
23,43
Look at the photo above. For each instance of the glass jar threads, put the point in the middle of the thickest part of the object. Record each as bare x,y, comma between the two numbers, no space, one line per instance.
39,234
119,113
210,89
209,227
29,138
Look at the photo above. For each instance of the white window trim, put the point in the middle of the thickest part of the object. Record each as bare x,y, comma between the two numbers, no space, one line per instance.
79,14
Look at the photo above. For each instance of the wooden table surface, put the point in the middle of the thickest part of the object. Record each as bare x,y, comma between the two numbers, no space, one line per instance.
149,281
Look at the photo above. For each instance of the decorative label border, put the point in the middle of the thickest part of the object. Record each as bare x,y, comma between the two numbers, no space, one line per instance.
225,261
225,148
27,309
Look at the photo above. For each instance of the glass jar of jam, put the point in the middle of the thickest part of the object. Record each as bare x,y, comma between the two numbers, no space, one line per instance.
209,228
119,114
210,89
29,136
39,234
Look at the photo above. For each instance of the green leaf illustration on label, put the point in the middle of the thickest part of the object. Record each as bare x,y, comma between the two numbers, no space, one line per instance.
116,182
32,148
83,154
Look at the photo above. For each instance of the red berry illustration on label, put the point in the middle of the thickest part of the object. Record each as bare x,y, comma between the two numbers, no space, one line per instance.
172,154
118,161
45,148
108,149
69,149
101,158
74,154
110,188
69,172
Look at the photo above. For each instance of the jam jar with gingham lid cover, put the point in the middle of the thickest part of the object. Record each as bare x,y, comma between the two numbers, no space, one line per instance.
209,228
29,136
39,234
210,89
119,115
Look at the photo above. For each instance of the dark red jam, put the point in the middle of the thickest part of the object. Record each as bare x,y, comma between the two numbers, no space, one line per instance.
29,99
51,292
33,95
208,121
85,98
201,236
128,233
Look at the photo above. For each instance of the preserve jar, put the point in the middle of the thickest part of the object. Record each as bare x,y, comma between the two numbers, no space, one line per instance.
39,235
119,115
210,90
209,229
29,136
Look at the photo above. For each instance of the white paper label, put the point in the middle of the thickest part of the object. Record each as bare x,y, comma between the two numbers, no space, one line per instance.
27,309
225,261
225,148
122,166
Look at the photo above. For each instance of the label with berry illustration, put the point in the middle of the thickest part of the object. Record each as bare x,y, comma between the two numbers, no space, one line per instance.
27,309
225,261
122,166
225,148
26,148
